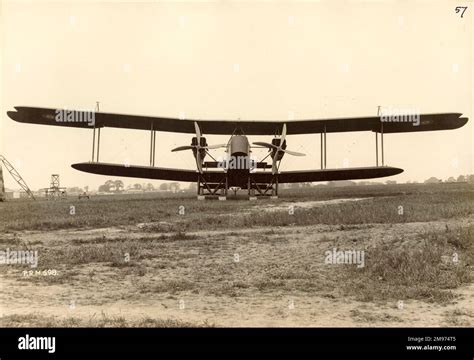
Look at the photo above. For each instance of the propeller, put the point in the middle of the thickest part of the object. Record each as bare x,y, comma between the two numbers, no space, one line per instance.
198,148
278,149
271,146
190,147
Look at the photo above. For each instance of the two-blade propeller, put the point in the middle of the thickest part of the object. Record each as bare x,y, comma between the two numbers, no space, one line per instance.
278,149
198,147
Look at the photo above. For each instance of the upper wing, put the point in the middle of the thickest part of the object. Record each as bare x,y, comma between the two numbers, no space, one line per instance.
427,122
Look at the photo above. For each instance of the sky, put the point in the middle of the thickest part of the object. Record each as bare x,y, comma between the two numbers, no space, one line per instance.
259,60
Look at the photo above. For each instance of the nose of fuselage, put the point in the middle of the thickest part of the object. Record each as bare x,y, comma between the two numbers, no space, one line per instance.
239,145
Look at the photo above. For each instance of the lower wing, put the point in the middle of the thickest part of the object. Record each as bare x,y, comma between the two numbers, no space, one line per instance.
157,173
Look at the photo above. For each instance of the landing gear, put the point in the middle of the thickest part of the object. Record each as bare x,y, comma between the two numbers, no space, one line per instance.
212,189
207,189
256,189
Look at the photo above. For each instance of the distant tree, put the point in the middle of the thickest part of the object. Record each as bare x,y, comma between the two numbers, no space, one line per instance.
390,182
107,186
432,180
192,187
470,178
451,179
137,186
118,185
103,188
149,187
164,187
174,187
461,178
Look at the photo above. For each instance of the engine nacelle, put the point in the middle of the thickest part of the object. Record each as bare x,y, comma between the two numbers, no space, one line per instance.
277,142
203,143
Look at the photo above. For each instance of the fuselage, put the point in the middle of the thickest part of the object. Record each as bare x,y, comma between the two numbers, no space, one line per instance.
238,162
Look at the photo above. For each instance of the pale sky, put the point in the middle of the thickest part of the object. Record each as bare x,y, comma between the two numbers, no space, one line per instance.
266,60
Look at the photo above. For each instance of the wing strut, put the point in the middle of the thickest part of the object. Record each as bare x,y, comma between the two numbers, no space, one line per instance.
377,141
98,136
377,146
152,146
95,157
381,140
93,144
98,143
323,149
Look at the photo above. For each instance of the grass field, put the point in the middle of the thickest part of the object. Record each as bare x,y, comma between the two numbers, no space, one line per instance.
174,261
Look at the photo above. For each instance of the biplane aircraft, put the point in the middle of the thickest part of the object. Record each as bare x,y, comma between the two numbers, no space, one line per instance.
237,169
